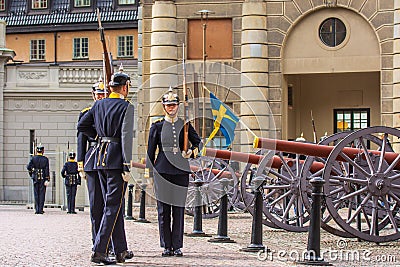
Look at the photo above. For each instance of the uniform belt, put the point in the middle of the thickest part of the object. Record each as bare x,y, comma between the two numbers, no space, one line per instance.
92,143
171,149
109,140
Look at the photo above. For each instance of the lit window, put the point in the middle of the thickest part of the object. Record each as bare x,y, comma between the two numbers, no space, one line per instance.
125,46
38,48
81,48
126,2
39,4
332,32
81,3
351,119
2,5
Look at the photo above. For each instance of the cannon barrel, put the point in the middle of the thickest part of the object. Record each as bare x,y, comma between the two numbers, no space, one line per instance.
315,150
276,162
224,174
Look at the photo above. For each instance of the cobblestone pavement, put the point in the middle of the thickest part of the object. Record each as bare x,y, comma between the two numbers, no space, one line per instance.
59,239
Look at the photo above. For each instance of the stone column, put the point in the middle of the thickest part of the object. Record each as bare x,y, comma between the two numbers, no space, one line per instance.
5,55
163,64
389,91
254,67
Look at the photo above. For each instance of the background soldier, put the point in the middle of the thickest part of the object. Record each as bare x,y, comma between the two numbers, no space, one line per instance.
38,168
171,173
86,164
112,160
72,179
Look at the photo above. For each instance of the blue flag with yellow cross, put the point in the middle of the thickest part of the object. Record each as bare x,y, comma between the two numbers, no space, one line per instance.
224,120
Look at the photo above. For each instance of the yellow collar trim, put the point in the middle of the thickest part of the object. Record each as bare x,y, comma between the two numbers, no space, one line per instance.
116,95
71,160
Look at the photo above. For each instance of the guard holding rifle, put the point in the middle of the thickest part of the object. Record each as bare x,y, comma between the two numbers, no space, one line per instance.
38,168
170,171
111,120
72,179
86,149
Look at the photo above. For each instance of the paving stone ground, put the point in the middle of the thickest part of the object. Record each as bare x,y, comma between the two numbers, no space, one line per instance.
59,239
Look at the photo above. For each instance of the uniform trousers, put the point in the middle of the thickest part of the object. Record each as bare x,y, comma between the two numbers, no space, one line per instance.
39,192
112,222
171,192
71,195
96,201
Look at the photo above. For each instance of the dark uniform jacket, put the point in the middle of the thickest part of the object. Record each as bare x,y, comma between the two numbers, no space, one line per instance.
111,119
38,168
70,173
85,147
168,137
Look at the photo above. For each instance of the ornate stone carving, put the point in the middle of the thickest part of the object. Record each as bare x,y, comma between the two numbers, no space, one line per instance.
32,75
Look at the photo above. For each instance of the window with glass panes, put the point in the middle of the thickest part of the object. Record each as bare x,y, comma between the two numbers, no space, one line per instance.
38,50
81,47
351,119
81,3
126,2
2,5
125,46
38,4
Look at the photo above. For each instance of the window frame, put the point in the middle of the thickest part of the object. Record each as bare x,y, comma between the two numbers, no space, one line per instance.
4,4
125,55
333,32
80,56
352,112
37,50
40,2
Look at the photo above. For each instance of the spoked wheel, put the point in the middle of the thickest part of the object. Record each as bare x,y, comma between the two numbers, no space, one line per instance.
209,171
247,191
311,171
364,198
284,205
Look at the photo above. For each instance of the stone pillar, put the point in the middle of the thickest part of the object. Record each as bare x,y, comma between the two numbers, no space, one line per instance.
163,64
393,91
254,67
5,55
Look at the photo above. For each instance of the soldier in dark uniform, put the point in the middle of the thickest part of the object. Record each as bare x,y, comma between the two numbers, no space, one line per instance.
85,158
170,171
38,168
111,120
72,179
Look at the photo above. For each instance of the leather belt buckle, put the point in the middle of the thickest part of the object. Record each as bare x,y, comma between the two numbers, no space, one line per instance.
175,150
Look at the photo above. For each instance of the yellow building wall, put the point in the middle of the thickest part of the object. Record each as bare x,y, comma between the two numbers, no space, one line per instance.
20,43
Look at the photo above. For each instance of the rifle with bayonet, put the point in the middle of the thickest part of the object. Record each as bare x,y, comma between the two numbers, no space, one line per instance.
107,59
185,105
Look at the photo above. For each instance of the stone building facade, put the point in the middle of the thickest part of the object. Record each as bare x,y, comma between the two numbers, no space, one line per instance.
279,46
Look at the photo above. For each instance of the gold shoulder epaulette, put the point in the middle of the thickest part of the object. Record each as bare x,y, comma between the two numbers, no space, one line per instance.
158,120
85,109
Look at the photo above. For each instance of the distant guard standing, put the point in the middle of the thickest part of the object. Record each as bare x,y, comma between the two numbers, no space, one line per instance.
111,120
85,157
170,171
38,168
72,179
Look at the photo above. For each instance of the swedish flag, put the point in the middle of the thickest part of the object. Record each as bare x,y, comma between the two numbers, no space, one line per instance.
224,120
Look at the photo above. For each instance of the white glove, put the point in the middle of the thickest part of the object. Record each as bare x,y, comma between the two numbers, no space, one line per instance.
46,183
82,174
126,176
187,154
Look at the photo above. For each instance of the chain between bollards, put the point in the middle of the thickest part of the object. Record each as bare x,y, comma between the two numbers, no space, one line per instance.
142,210
256,229
130,203
198,214
222,235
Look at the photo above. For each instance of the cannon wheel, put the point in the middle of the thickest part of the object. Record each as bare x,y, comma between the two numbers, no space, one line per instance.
283,205
307,176
376,190
211,190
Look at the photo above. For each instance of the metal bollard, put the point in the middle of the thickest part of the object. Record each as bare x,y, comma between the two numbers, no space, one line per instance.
142,210
313,255
130,202
222,235
198,214
256,229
